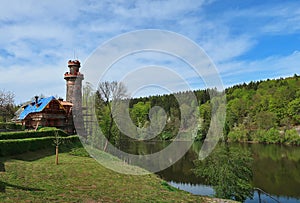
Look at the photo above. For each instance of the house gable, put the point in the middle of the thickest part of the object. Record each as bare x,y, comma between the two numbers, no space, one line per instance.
35,107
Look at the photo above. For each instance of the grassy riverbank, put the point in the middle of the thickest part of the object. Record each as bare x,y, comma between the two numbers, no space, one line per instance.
33,177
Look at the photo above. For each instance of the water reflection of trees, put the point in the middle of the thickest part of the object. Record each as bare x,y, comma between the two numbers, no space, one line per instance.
228,170
276,169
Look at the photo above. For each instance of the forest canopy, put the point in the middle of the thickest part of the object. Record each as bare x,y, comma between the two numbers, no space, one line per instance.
262,111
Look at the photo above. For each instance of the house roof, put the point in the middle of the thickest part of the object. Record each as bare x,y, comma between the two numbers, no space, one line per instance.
33,108
66,103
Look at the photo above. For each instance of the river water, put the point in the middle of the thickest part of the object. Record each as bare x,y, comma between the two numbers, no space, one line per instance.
275,168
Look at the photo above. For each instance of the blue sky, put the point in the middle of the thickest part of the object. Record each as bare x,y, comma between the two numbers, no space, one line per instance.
247,40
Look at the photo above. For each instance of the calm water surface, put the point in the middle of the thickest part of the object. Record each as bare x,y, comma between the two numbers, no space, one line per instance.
276,170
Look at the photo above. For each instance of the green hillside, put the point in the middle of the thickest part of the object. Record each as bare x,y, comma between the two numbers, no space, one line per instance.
263,111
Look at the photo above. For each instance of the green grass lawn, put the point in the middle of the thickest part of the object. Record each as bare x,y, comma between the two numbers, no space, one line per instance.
33,177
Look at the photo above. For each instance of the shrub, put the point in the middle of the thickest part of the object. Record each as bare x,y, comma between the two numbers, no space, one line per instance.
238,134
10,126
18,146
166,135
30,134
42,129
273,136
292,137
79,151
233,136
259,136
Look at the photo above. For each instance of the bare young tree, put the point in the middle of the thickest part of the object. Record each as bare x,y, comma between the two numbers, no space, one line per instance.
109,92
6,105
57,142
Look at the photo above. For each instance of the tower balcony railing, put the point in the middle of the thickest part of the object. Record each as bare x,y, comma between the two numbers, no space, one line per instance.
77,74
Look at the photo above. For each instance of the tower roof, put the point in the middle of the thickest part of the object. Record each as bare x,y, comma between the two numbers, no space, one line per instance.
73,63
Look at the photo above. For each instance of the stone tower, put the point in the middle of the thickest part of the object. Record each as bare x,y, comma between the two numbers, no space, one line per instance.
74,83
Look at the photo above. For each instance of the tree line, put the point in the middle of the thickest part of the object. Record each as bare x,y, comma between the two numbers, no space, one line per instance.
262,111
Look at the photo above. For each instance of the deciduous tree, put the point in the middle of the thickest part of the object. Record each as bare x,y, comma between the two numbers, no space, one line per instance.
110,92
6,105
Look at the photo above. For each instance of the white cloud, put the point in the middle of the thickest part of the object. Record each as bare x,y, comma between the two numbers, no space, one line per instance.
223,47
31,10
26,83
274,67
157,10
271,19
